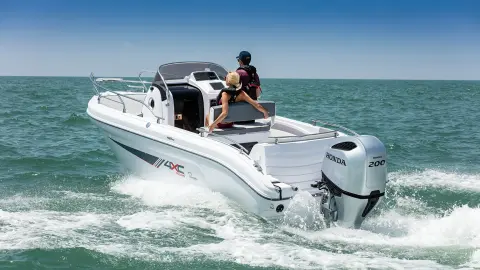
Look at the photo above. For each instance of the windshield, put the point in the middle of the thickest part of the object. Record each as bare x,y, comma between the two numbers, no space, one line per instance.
175,71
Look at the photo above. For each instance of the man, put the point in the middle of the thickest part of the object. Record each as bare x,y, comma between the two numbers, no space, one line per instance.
248,75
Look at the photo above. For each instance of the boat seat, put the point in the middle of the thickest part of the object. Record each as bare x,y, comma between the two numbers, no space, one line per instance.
241,112
243,128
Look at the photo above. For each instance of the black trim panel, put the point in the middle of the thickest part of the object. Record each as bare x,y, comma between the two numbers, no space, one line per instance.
163,93
338,191
146,157
266,198
346,146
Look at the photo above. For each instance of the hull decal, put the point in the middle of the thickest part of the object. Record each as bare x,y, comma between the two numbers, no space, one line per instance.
153,160
219,163
145,156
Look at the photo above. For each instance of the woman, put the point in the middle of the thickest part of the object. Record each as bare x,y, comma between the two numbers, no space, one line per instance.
229,95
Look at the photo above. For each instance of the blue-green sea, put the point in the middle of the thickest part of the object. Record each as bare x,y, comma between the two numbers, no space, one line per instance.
66,203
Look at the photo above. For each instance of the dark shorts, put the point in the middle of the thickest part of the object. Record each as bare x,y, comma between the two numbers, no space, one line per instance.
225,125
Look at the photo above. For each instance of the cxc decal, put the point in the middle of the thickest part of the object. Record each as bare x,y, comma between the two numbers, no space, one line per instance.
153,160
172,166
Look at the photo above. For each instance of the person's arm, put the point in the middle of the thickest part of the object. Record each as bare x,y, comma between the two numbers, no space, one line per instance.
258,92
259,89
257,78
243,96
224,113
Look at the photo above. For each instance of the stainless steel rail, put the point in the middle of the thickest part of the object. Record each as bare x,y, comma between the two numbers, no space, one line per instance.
120,96
314,122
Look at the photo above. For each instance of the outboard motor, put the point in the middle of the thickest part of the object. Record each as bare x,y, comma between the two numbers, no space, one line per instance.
354,176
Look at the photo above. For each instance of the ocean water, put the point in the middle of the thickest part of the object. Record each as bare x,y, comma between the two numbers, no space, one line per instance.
65,202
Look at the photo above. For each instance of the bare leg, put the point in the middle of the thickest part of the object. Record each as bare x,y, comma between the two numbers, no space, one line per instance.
206,120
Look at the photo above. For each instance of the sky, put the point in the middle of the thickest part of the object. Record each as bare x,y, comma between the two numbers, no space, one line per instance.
329,39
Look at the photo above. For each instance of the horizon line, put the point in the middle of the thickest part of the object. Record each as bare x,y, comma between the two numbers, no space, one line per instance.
263,78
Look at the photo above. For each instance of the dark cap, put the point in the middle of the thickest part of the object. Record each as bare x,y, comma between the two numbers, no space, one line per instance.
245,56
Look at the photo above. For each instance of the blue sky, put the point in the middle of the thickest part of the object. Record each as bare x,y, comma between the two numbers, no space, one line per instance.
288,39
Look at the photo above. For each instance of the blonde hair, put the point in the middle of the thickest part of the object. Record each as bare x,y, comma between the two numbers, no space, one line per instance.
233,79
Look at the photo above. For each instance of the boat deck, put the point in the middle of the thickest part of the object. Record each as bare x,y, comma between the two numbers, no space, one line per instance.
280,133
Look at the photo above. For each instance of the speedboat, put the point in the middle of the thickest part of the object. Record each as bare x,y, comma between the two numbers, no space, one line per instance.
156,129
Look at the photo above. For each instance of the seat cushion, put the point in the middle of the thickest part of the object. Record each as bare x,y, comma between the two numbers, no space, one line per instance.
242,111
243,129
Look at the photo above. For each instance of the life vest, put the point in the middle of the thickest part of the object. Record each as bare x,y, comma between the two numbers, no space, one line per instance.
233,92
229,90
253,84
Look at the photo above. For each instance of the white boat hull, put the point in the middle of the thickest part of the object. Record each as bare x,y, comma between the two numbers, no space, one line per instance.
152,137
152,159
